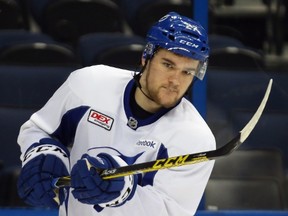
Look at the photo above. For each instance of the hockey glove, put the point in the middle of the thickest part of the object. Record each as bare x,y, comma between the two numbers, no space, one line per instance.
90,188
41,164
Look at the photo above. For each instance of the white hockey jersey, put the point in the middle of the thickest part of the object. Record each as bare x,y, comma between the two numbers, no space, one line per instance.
90,113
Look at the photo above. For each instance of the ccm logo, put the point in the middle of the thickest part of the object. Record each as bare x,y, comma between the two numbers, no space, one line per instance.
100,119
189,43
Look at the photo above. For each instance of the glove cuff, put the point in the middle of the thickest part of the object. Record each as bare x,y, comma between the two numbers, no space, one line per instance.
129,188
45,147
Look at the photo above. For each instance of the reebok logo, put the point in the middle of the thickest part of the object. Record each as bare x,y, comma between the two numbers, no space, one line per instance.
146,143
100,119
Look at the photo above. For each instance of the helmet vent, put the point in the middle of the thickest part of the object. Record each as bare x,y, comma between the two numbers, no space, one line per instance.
171,37
191,34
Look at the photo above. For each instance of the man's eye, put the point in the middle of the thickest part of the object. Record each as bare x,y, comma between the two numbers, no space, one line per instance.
168,65
190,72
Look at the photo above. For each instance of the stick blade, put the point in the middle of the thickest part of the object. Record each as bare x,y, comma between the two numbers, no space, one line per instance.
245,132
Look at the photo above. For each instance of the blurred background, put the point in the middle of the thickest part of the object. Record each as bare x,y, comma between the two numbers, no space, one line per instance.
43,41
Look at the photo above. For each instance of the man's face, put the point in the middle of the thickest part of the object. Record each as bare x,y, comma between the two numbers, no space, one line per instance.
167,77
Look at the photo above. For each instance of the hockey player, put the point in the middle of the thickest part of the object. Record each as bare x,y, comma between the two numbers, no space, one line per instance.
106,117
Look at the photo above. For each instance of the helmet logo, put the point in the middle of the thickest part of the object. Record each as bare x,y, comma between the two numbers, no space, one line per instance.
148,51
188,43
192,27
149,48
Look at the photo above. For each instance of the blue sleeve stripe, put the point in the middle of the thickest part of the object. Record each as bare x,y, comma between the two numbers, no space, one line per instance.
65,133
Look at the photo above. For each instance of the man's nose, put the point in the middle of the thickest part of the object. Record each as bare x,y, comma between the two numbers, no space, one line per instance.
175,77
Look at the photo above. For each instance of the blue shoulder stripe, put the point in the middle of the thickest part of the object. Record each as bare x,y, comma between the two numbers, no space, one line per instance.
65,133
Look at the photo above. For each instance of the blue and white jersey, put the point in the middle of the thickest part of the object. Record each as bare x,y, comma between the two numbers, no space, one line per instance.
90,113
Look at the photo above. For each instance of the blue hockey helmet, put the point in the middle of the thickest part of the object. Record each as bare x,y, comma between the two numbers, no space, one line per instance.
180,35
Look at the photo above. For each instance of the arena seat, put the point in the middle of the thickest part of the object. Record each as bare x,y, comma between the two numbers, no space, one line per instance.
244,88
119,50
244,194
9,37
12,15
252,163
238,18
23,90
21,47
30,86
38,54
11,120
217,41
8,188
141,14
269,133
237,94
68,20
236,58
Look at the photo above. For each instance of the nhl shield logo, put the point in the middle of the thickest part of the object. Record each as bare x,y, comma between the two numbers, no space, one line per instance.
132,123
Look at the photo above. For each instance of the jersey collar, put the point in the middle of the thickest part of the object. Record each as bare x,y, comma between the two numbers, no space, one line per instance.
132,121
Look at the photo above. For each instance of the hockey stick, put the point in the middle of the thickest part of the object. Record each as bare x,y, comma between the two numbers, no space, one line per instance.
182,159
